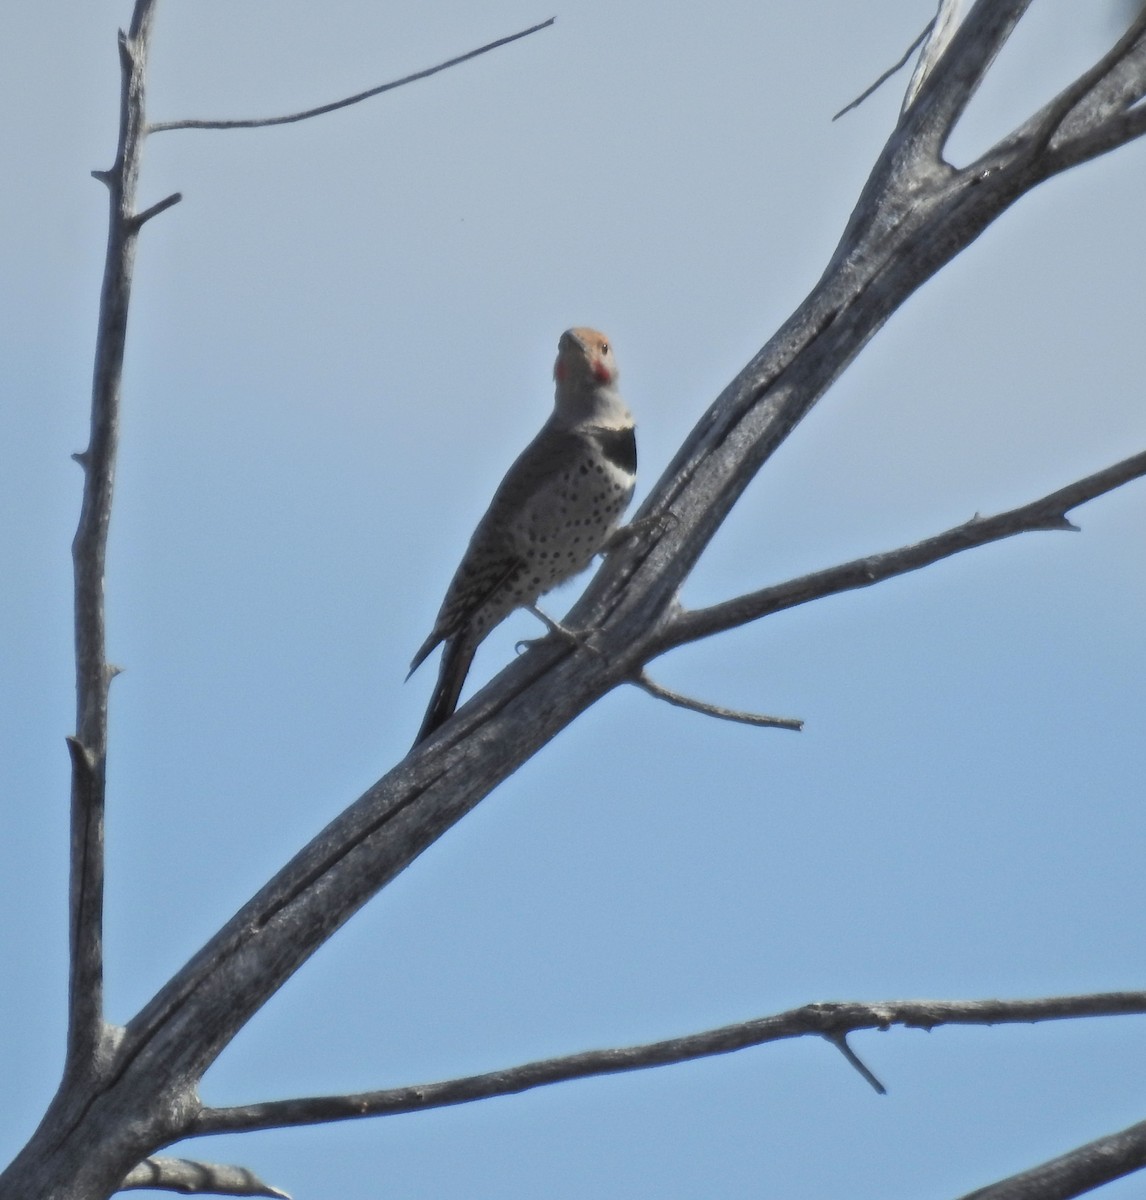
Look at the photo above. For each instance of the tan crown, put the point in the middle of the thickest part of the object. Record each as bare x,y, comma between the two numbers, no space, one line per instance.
585,354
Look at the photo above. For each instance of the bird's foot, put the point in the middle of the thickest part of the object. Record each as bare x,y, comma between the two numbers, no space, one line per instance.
580,639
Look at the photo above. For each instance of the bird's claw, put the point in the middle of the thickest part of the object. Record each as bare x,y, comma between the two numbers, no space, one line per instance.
578,638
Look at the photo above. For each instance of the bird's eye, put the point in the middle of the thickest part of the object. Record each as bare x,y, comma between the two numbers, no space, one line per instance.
604,347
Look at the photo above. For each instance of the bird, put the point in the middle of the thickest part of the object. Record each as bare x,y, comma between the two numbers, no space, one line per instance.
557,507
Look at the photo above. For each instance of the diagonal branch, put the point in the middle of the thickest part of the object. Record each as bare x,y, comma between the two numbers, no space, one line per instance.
1109,135
939,33
1046,513
1072,1174
832,1021
872,88
678,700
1087,118
951,68
160,206
197,1179
334,105
840,1041
1119,83
1041,131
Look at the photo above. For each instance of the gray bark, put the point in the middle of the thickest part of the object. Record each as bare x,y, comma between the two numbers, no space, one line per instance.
128,1092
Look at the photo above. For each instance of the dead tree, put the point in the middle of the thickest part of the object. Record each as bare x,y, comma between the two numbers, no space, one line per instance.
127,1091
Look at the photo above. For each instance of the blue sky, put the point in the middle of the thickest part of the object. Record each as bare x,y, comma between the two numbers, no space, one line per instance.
339,341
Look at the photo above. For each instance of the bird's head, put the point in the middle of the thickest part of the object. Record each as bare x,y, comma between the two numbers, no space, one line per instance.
584,358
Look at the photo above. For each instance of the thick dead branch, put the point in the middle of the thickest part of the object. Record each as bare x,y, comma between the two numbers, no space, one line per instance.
191,1178
1115,132
1076,1173
346,101
714,710
1088,117
831,1021
952,65
1114,85
1048,513
939,34
138,1092
1080,108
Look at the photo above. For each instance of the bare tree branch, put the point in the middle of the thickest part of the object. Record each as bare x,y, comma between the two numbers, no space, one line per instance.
1080,122
1116,83
334,105
952,66
1066,116
939,34
1075,1173
126,1096
86,1028
840,1041
714,710
161,206
1047,513
873,88
197,1179
1113,133
831,1021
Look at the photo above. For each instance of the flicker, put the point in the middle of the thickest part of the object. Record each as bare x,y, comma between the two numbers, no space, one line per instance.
555,509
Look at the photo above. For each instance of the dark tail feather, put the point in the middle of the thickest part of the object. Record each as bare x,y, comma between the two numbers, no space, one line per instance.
457,654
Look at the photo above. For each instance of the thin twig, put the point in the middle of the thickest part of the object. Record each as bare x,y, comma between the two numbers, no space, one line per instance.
714,710
334,105
192,1178
141,219
840,1041
830,1021
1047,513
868,91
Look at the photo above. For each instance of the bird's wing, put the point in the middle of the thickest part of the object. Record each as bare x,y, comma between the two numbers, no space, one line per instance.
528,484
491,558
477,579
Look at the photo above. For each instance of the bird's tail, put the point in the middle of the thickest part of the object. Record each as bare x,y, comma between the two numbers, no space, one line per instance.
457,654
